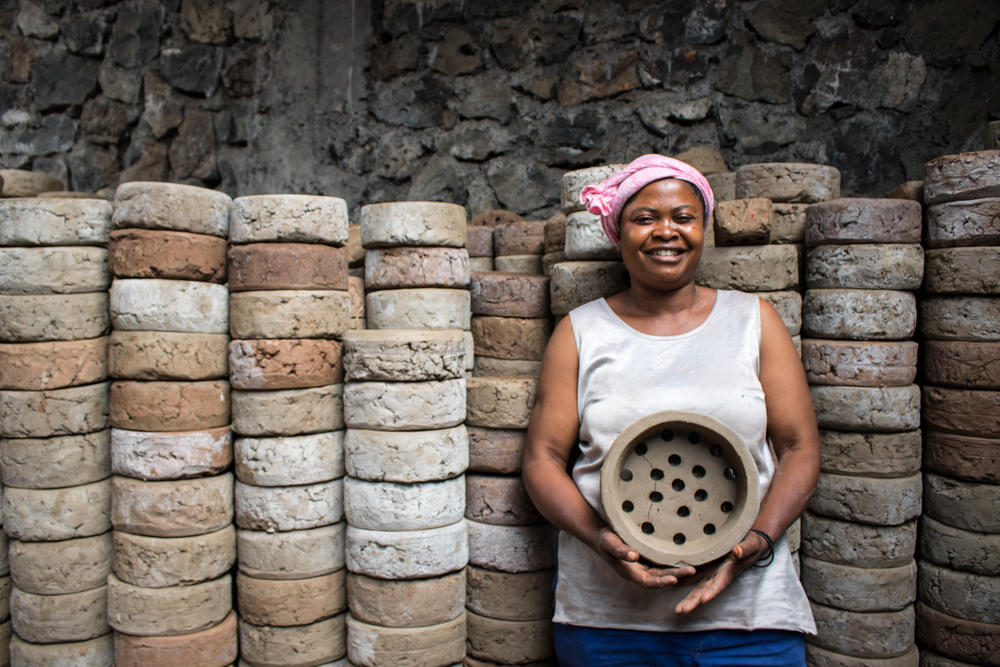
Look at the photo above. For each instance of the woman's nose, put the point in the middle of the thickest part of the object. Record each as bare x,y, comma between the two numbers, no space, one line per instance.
665,227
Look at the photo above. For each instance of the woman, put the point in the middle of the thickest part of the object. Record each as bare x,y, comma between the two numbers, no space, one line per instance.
666,343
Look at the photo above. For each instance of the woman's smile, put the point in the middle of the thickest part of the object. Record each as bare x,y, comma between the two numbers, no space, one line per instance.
665,253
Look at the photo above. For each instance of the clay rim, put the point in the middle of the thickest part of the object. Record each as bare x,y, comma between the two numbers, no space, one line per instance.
664,552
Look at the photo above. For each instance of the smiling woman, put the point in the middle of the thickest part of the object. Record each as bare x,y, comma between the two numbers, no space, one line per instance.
668,344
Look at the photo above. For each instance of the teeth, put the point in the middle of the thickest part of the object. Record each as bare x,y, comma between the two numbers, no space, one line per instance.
665,252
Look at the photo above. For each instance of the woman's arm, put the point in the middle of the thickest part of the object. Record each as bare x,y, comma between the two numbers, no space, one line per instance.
552,435
791,427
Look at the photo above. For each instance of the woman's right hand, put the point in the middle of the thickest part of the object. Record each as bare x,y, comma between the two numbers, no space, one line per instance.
625,561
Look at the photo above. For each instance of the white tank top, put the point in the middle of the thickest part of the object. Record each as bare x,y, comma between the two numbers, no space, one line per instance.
625,375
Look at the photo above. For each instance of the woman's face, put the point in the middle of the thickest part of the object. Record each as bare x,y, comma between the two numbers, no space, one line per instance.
662,234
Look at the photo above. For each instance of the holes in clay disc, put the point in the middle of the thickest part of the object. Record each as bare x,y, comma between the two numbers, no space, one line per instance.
676,490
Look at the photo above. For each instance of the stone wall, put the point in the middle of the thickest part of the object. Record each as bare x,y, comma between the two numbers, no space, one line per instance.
484,102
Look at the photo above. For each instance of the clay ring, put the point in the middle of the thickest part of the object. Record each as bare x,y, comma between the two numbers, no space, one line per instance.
680,488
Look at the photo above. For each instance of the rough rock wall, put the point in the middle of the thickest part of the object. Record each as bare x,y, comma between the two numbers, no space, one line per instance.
485,102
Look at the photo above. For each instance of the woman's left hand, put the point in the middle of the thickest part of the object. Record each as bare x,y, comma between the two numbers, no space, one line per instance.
715,577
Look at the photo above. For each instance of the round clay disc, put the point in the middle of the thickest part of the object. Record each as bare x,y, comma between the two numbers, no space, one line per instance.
679,487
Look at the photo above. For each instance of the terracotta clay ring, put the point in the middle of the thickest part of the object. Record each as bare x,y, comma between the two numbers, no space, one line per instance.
679,487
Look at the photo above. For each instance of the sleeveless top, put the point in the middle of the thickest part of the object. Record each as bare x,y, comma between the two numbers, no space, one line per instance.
625,375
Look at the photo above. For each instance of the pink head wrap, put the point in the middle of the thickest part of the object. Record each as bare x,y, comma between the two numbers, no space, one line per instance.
607,198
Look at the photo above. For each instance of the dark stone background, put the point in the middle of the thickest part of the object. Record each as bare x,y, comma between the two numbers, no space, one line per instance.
485,102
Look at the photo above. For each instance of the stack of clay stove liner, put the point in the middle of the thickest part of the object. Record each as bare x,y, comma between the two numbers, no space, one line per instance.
959,582
54,438
510,544
479,245
289,303
755,244
555,242
406,448
511,548
518,246
510,323
859,316
592,267
792,187
583,237
169,594
356,276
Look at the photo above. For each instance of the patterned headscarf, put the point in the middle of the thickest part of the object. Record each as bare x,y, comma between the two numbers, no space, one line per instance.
607,198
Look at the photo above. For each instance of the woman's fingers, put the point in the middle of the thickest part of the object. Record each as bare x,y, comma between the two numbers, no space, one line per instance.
677,575
645,576
625,560
750,549
717,576
613,545
714,583
709,580
658,577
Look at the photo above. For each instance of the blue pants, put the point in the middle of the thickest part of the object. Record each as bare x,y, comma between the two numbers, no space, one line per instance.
578,646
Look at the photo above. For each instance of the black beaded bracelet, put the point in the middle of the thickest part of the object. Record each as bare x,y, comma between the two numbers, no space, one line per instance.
769,556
